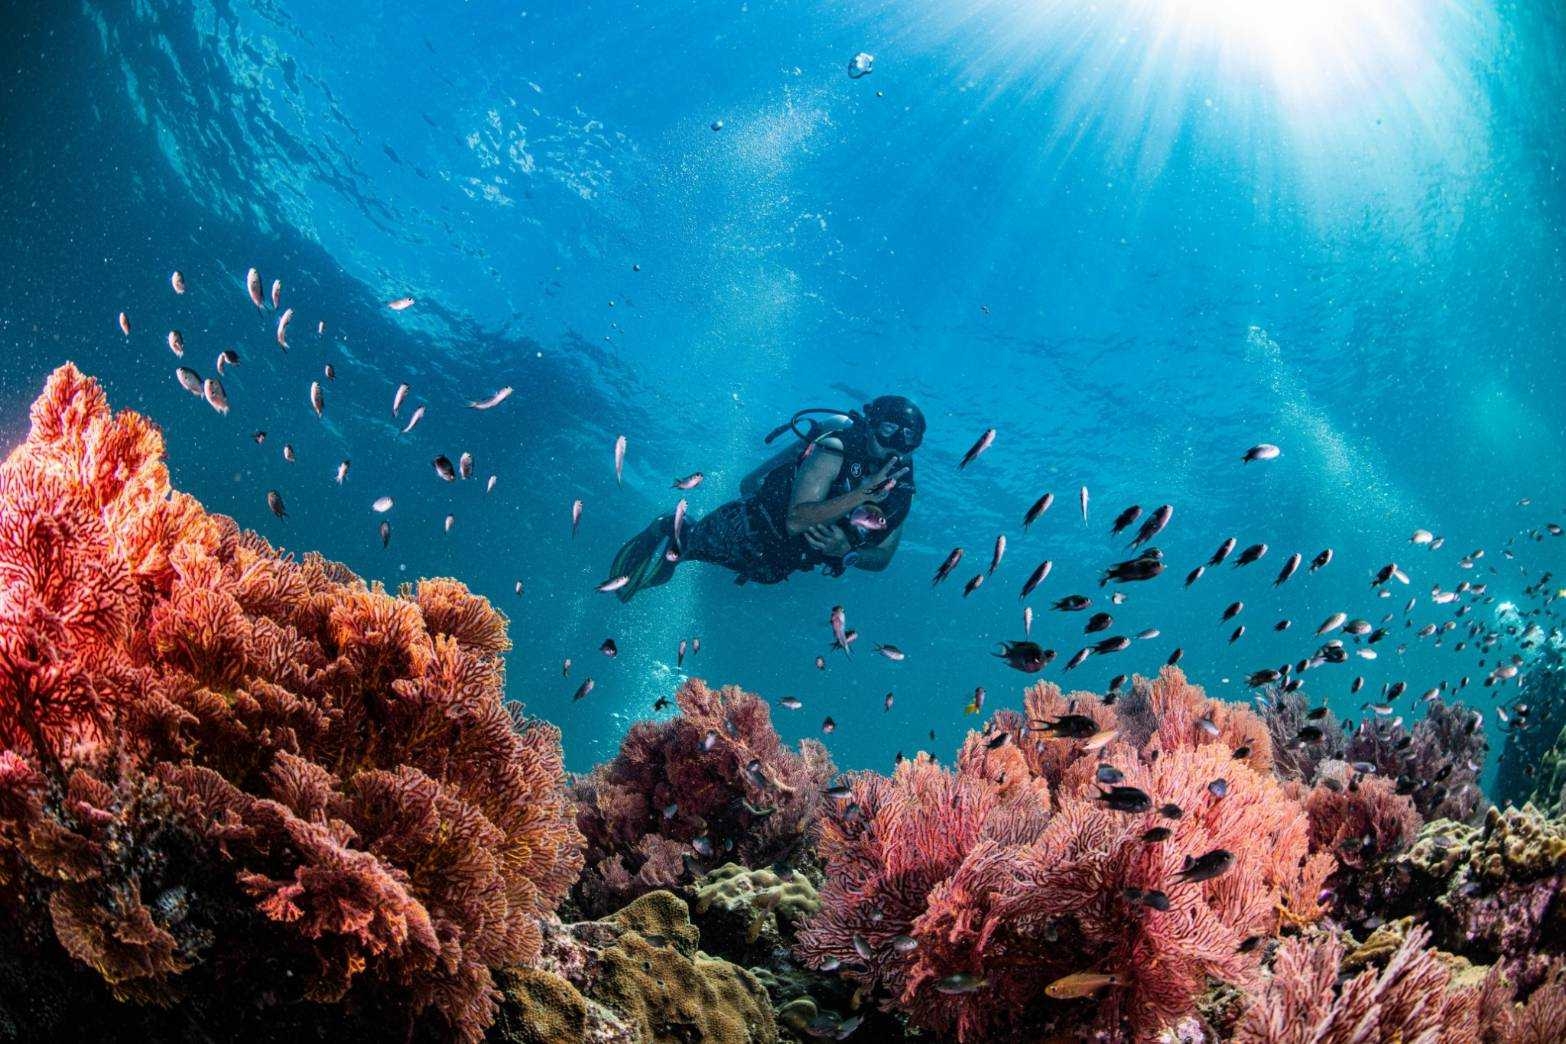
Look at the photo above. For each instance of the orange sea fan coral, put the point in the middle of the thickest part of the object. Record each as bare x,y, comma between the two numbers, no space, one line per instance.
272,746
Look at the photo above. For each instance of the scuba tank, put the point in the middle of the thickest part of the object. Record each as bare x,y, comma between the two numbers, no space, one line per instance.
807,429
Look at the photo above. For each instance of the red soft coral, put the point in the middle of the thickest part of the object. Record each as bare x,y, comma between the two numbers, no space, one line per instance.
276,741
1013,873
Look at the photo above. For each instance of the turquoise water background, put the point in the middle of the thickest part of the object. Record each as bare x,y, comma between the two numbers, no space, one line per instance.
1134,238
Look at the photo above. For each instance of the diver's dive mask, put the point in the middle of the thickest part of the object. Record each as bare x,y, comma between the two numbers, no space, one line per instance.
896,422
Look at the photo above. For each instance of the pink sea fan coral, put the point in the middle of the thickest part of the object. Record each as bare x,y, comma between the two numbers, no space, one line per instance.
1011,887
1358,818
1411,1000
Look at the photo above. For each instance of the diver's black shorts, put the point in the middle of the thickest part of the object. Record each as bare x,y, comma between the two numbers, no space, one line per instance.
739,536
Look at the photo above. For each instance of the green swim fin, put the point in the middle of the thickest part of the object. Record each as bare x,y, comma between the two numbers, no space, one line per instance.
640,559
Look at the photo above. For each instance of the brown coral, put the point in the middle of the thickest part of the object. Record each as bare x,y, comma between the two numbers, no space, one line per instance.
635,976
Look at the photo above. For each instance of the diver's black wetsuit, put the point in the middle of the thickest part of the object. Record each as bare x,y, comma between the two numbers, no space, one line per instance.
750,535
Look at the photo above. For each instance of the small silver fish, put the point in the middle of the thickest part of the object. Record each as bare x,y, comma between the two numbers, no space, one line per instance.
465,465
253,284
342,472
400,304
619,458
397,400
418,415
494,400
451,520
489,487
282,328
277,293
177,343
317,398
217,398
189,379
1332,623
382,505
177,280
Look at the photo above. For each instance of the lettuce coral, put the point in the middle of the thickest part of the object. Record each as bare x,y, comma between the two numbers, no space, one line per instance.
959,896
217,757
711,785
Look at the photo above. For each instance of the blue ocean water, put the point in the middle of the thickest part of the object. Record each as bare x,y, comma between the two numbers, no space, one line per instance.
1134,238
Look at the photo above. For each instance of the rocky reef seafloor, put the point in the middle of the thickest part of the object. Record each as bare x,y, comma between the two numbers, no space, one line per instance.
244,795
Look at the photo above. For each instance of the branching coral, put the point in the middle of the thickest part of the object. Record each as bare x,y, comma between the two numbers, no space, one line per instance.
324,770
1412,1000
958,897
711,785
1421,996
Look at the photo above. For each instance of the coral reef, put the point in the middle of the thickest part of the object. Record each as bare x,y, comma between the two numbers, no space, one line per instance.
712,785
1363,823
1533,760
224,763
1412,999
959,897
750,916
1436,762
635,976
1284,713
1496,889
1395,989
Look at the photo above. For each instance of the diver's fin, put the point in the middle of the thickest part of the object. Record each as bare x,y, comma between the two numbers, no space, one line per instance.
640,556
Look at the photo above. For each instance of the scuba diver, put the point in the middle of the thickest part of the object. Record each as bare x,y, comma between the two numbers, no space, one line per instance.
838,501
